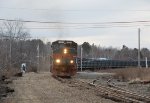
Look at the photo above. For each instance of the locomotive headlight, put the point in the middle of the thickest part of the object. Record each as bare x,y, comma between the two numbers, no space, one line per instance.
65,51
57,61
71,61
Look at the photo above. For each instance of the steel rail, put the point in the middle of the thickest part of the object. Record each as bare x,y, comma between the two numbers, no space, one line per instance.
113,93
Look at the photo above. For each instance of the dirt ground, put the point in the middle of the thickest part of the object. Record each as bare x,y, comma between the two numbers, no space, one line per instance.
42,88
128,78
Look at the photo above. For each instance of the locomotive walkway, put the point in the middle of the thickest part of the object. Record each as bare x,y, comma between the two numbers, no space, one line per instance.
42,88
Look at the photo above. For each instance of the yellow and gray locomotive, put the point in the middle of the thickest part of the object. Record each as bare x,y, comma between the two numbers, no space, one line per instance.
63,58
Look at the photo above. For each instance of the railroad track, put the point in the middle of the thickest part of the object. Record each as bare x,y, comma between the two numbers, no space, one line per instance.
109,92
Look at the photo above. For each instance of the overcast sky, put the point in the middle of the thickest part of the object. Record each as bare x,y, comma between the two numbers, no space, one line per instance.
84,20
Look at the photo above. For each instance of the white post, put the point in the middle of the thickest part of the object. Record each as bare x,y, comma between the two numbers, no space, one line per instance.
81,58
146,62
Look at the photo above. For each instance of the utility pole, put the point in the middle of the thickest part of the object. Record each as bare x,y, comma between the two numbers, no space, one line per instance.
81,58
10,52
139,58
51,56
92,51
38,56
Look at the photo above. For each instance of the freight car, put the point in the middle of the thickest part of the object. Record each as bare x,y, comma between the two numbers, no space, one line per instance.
92,64
63,58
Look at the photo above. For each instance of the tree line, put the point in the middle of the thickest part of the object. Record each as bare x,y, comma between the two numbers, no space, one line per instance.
17,47
125,53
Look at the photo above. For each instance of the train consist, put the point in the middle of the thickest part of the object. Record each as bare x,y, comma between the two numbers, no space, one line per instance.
63,58
64,61
102,64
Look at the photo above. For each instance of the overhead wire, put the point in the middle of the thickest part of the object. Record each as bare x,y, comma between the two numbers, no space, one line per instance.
97,10
119,22
82,25
49,22
27,21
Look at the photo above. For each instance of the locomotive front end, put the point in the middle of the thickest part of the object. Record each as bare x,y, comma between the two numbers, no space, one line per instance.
64,58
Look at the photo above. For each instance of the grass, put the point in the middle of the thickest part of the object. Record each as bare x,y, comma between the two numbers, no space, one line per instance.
127,74
9,72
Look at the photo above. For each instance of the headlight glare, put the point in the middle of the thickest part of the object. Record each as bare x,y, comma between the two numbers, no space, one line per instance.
71,61
57,61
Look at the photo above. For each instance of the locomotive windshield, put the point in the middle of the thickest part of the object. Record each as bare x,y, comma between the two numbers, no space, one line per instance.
64,47
65,50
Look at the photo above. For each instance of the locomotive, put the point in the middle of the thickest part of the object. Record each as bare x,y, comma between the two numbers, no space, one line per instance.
63,58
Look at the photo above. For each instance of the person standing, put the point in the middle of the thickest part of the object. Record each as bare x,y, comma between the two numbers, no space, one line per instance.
23,68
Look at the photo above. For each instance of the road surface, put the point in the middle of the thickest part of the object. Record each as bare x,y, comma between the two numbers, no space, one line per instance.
42,88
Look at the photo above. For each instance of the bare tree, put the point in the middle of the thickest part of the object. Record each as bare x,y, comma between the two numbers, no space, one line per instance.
11,33
14,30
86,49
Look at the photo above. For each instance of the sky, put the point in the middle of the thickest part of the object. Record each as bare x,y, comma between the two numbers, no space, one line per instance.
93,21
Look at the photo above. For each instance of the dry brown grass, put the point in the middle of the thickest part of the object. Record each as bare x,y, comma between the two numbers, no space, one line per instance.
9,72
127,74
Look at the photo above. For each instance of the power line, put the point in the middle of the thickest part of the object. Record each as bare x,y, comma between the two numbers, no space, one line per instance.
26,21
78,10
79,27
83,25
91,27
50,22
